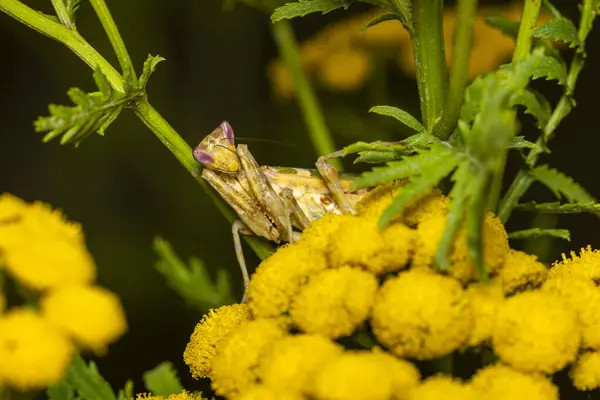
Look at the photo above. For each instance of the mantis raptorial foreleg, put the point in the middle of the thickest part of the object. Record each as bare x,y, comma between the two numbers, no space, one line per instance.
331,178
301,217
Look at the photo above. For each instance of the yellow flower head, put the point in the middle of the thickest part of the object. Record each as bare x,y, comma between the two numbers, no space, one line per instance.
265,392
33,352
345,69
586,265
405,376
185,395
521,271
359,242
374,203
358,375
235,367
422,315
584,297
2,303
208,334
291,363
281,80
495,246
334,302
322,231
484,300
443,387
279,278
585,373
536,332
91,315
500,382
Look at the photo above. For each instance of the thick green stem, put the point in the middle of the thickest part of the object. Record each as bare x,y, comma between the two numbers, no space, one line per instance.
115,39
529,18
430,58
459,72
60,33
309,104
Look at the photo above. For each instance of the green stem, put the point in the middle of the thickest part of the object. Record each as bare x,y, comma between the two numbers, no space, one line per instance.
459,72
309,104
430,58
529,18
62,13
182,151
115,38
60,33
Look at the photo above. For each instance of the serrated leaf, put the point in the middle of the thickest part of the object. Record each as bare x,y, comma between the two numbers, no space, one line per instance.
519,142
149,67
72,7
406,146
535,233
376,157
379,19
163,380
304,7
560,208
430,174
507,26
560,29
561,185
551,69
400,115
408,166
535,104
87,381
61,391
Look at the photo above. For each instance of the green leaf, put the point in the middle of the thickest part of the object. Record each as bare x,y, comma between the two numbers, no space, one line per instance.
560,29
519,142
304,7
429,175
87,381
163,380
61,391
535,104
400,115
72,7
376,157
561,184
193,283
475,212
535,233
558,208
397,149
379,19
551,69
128,392
149,67
408,166
507,26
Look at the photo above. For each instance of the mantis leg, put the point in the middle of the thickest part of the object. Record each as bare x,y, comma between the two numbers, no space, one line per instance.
331,178
236,228
301,217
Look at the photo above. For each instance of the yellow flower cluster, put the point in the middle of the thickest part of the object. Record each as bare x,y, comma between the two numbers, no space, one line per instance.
345,278
46,255
339,57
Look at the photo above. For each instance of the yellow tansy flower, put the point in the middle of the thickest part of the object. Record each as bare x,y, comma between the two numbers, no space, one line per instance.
422,315
235,367
521,271
495,246
279,278
586,264
321,231
91,315
2,303
334,302
345,69
583,295
281,80
484,300
33,352
291,363
443,387
265,392
359,242
536,332
585,372
405,376
500,382
208,334
185,395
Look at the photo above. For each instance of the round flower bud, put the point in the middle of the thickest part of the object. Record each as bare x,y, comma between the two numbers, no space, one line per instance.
484,300
264,392
521,271
500,382
443,387
585,373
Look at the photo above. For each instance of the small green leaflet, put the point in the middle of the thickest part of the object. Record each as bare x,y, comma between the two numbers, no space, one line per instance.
535,104
561,185
163,380
376,157
400,115
149,67
540,232
72,7
560,29
510,28
558,208
548,67
380,19
519,142
61,391
304,7
87,381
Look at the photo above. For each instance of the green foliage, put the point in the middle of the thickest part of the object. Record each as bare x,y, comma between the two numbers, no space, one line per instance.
193,283
72,7
519,142
400,115
82,381
558,208
535,233
379,19
561,185
163,380
61,391
149,67
304,7
535,104
550,68
560,29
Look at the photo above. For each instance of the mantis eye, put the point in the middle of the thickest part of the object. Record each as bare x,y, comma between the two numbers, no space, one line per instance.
203,157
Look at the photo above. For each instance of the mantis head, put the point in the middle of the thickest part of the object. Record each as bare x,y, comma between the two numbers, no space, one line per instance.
217,150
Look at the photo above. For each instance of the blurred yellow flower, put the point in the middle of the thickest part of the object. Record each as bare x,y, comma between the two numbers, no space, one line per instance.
484,300
291,363
500,382
185,395
405,376
235,367
585,372
586,264
279,278
521,271
91,315
421,314
208,334
264,392
2,303
536,332
443,387
33,352
344,70
334,302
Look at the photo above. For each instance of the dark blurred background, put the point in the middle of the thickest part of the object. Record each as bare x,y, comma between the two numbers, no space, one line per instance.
125,188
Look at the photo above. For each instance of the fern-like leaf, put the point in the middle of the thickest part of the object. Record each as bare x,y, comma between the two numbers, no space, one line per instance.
519,142
535,233
560,208
561,185
535,104
400,115
87,382
162,380
149,67
560,29
303,7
